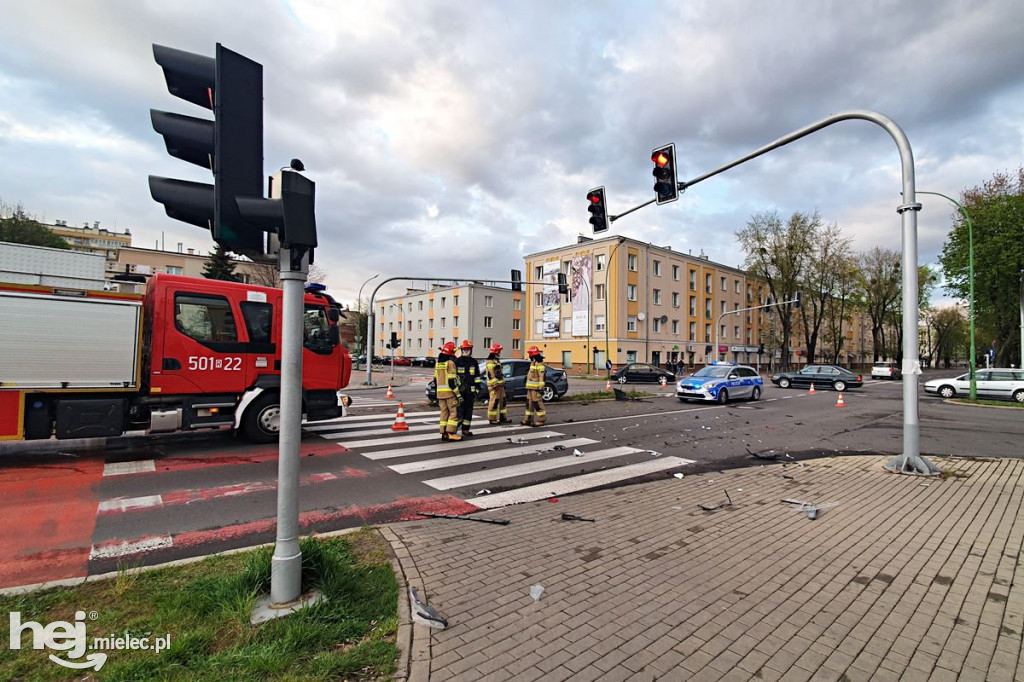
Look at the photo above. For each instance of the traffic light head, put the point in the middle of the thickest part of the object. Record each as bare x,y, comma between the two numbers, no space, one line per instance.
231,145
563,284
598,210
666,188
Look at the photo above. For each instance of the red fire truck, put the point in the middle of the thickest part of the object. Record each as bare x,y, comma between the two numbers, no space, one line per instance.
189,354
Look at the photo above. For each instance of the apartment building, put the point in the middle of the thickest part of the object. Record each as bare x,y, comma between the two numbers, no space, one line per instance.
425,319
631,301
92,238
133,265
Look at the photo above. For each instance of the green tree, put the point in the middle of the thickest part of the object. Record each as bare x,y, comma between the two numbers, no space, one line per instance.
17,227
778,254
997,214
220,266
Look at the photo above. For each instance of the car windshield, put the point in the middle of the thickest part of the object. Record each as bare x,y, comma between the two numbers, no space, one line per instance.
713,372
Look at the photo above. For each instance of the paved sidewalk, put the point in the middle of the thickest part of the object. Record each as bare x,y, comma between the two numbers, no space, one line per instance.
905,578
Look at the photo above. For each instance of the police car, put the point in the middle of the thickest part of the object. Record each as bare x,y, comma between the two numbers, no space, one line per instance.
719,382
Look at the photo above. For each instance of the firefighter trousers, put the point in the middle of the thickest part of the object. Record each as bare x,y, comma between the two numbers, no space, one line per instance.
535,414
465,413
497,407
449,413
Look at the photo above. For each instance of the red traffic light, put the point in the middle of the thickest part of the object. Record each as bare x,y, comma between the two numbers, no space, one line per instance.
660,159
595,197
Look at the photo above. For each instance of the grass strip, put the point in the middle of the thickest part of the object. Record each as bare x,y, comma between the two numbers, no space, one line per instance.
205,608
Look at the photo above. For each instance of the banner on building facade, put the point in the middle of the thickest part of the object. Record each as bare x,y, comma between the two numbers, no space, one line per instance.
552,308
581,284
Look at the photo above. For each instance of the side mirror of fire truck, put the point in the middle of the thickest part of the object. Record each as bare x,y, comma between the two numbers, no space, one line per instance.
333,335
333,315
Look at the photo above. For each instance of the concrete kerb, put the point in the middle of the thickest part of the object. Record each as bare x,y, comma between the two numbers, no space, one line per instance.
413,639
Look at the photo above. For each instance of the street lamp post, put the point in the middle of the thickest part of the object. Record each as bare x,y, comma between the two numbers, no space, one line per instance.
970,282
607,294
359,327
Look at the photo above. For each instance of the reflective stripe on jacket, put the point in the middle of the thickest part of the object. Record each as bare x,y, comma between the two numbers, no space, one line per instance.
443,371
494,374
535,377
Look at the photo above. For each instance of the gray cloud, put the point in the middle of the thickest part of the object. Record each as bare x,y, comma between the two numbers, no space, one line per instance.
450,139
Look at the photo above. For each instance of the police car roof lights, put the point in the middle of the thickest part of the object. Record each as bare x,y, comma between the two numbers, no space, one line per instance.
723,362
315,287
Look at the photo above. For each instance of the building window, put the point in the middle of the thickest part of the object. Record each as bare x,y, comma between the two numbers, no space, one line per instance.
707,308
419,324
455,300
736,332
722,306
488,322
599,323
410,306
538,328
631,292
444,322
539,298
738,290
657,296
631,262
419,342
517,304
723,284
443,299
600,262
693,331
431,304
656,265
488,301
599,292
675,272
721,332
421,305
538,273
487,342
707,283
656,324
707,333
693,306
175,270
410,325
431,324
675,327
515,324
515,344
630,324
455,320
693,280
566,326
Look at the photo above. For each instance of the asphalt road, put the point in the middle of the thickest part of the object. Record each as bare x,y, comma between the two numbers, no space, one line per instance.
158,499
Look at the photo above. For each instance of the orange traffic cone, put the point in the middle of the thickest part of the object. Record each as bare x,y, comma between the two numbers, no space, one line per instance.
608,385
390,395
400,424
812,391
839,401
664,382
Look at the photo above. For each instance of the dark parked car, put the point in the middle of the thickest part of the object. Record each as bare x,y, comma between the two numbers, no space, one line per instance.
642,373
424,361
556,383
822,376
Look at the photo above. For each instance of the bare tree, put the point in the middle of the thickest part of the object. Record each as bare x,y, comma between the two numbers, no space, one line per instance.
880,281
829,251
842,301
268,274
778,254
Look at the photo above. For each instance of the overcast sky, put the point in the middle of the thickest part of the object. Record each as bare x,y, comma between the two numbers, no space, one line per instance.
450,139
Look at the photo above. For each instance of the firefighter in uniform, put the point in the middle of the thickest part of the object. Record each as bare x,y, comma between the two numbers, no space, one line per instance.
469,382
535,414
497,408
447,380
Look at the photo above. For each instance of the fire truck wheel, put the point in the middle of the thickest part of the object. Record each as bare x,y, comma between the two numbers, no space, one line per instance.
261,422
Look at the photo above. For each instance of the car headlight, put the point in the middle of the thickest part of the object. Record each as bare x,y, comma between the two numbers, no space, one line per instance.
709,384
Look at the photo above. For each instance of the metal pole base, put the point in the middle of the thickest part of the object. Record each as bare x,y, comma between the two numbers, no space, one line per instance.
285,574
914,465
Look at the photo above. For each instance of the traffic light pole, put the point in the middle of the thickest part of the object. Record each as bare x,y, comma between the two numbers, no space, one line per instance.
371,338
286,565
910,462
743,310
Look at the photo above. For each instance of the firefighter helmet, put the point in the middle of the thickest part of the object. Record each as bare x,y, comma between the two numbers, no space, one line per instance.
448,348
466,344
532,350
496,348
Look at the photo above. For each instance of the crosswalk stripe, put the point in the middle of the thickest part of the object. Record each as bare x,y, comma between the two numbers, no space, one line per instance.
407,436
328,424
574,484
381,427
447,447
476,457
449,482
124,468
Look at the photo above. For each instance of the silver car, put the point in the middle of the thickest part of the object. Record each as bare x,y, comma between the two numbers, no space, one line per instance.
999,383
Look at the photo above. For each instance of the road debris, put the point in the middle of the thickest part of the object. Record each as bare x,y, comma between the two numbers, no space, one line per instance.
678,475
485,491
424,614
535,592
713,507
812,509
558,447
518,441
572,517
462,517
576,452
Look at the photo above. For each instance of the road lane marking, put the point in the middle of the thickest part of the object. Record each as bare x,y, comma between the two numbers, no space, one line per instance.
446,447
477,477
476,457
577,483
123,468
418,436
117,548
121,504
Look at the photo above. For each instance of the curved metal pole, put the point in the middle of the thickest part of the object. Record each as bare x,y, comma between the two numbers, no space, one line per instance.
359,303
910,461
970,276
